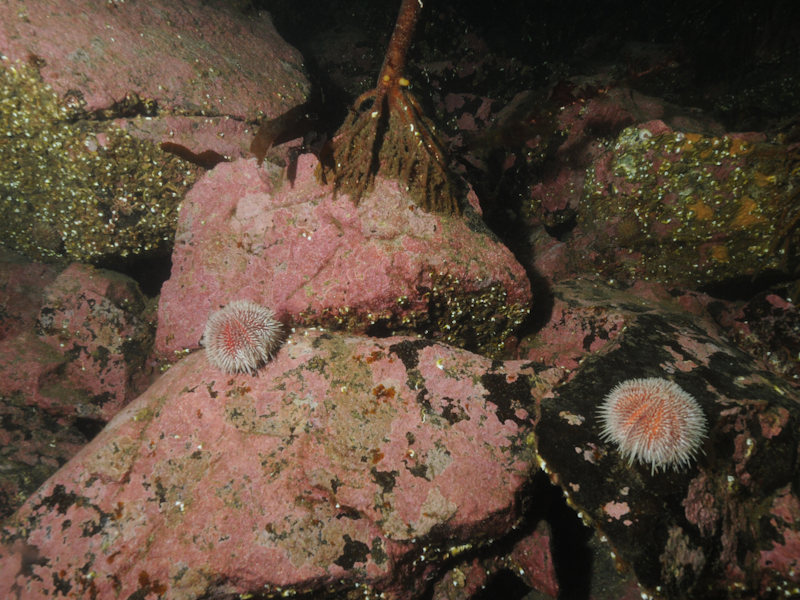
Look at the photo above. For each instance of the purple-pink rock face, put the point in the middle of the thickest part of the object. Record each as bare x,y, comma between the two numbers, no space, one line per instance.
345,462
86,352
314,258
207,68
73,351
97,319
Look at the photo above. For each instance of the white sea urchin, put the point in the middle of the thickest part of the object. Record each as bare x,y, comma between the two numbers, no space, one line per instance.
241,337
653,421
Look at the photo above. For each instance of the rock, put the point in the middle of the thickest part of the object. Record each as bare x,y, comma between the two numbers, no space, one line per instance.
580,117
690,209
767,327
631,187
21,282
93,93
202,61
730,523
345,463
98,320
342,464
314,258
74,353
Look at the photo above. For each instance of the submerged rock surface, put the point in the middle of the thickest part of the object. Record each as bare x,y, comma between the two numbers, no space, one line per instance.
345,462
314,258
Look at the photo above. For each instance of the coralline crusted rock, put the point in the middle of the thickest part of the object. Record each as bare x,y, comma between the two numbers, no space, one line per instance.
314,258
729,525
186,58
86,102
99,321
73,350
346,463
80,189
692,209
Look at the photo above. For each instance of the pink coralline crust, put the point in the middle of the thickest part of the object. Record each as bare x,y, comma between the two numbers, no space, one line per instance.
786,506
21,284
532,554
700,506
778,302
719,502
29,367
303,252
560,190
74,352
96,319
773,421
611,110
210,69
701,351
616,510
655,127
338,461
577,326
188,55
784,557
85,354
225,135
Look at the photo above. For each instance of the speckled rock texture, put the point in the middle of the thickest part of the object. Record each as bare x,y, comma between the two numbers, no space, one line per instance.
213,66
681,207
692,209
570,130
98,320
728,526
314,258
648,190
345,463
768,327
73,351
110,109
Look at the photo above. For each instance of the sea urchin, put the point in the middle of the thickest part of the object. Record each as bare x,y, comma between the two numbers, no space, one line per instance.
653,421
241,337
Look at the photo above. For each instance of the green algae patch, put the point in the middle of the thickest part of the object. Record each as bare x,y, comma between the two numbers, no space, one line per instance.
76,186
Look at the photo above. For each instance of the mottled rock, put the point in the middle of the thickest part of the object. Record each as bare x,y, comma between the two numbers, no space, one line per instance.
729,525
315,258
188,58
91,95
76,187
571,131
691,209
632,187
74,353
532,556
21,283
345,463
98,320
768,327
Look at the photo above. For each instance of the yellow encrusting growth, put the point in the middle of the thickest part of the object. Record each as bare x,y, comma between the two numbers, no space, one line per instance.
76,187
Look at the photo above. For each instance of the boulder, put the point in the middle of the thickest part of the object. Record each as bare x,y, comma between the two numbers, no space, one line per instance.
345,463
74,348
316,259
111,109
